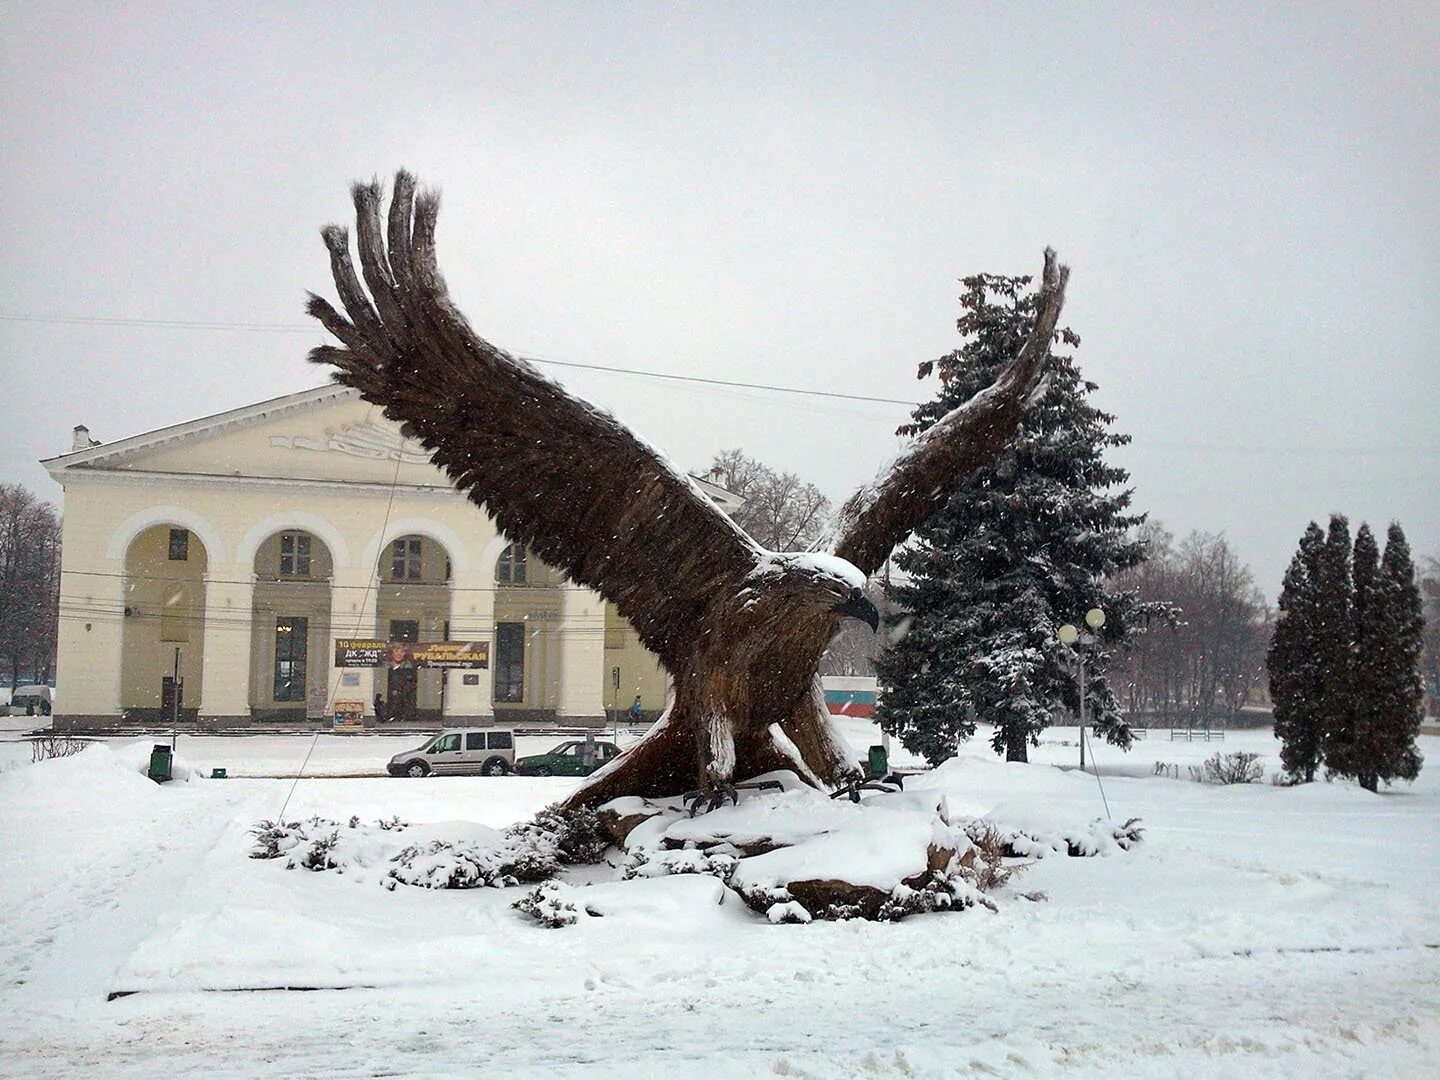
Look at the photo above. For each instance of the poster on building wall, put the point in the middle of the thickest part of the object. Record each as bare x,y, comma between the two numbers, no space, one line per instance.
369,653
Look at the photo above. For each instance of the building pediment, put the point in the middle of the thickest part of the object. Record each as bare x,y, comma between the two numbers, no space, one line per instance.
327,434
370,440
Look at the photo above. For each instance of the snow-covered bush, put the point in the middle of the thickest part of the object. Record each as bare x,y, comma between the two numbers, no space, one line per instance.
440,864
574,835
468,862
643,863
1241,767
1036,843
788,911
311,844
988,872
549,905
943,893
317,854
275,838
520,858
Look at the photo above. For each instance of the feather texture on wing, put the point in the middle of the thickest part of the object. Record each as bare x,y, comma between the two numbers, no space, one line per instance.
558,475
919,482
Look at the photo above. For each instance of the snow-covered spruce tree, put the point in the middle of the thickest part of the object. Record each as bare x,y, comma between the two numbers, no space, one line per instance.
1023,547
1335,646
1389,625
1293,661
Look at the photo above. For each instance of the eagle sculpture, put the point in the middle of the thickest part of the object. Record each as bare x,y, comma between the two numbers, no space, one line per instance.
740,629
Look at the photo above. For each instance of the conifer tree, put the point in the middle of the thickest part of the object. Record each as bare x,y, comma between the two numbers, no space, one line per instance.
1350,741
1388,687
1334,646
1293,661
1023,547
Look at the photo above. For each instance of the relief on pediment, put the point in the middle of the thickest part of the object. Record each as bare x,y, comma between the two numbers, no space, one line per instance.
359,440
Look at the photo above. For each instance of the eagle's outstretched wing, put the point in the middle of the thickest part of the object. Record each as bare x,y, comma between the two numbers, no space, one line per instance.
919,482
567,480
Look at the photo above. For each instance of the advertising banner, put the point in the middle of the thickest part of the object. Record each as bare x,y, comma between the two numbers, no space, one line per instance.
349,714
367,652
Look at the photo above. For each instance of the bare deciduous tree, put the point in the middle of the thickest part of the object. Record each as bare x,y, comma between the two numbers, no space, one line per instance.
29,583
1430,660
1204,667
781,511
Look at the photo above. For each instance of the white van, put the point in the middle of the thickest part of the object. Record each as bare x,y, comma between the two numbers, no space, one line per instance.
30,701
455,751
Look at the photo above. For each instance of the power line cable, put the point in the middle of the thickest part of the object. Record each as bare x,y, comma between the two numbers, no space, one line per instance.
195,324
696,380
359,621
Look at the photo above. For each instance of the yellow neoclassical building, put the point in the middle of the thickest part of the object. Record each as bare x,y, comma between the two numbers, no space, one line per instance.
221,560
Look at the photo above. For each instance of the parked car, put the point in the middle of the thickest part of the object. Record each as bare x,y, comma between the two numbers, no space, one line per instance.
30,701
575,758
459,751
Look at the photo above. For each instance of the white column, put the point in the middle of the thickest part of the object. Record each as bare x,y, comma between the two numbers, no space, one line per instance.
352,615
583,677
91,638
472,618
225,674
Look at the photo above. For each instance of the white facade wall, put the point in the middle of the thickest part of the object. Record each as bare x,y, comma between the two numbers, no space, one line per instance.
325,463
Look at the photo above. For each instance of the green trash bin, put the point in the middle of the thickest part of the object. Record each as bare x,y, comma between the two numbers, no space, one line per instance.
161,761
878,762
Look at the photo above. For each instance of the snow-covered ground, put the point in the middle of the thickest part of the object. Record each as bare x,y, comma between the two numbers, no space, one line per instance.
1257,932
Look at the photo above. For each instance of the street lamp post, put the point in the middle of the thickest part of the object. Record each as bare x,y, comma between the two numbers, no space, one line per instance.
1073,636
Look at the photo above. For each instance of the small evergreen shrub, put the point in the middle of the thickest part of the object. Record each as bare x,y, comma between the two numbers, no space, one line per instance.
273,838
575,835
642,863
318,854
547,905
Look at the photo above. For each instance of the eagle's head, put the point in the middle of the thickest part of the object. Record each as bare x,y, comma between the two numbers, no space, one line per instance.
818,586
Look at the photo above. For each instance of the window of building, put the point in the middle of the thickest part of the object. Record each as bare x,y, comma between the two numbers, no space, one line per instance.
511,567
405,559
295,554
179,545
509,662
291,632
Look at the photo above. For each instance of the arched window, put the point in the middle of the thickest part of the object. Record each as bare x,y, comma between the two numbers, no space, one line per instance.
510,569
405,559
294,554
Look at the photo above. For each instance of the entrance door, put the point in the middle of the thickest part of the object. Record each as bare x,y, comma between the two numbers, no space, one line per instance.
400,681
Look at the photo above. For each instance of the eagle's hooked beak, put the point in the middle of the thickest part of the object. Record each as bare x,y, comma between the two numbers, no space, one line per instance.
859,607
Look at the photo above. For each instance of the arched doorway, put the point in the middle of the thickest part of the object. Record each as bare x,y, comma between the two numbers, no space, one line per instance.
413,606
290,625
162,648
526,653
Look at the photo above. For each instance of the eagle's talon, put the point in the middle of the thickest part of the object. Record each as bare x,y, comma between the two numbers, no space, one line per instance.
712,798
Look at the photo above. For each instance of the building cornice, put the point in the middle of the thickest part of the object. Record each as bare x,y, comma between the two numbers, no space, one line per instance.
358,487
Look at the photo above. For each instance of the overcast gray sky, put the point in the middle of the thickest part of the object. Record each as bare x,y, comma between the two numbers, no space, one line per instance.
774,194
